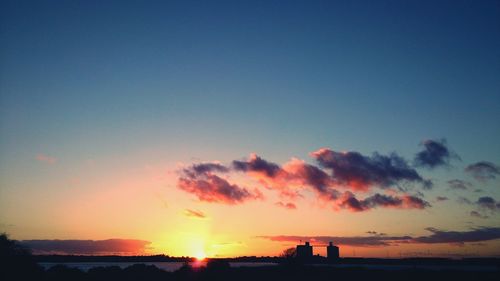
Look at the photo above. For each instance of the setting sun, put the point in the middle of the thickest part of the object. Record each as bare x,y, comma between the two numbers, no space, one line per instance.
200,256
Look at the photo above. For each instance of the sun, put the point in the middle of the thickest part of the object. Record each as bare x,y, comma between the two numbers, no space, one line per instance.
200,256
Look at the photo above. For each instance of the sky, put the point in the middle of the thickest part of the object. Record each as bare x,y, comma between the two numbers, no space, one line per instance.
231,128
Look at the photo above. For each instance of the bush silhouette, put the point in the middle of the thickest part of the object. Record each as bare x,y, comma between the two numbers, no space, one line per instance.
16,261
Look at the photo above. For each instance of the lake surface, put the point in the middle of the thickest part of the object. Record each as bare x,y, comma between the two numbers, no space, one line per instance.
173,266
167,266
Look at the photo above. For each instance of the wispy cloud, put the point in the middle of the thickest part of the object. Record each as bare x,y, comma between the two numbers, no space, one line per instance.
375,239
459,237
483,171
349,201
360,241
194,214
459,184
476,214
441,198
288,205
88,247
44,158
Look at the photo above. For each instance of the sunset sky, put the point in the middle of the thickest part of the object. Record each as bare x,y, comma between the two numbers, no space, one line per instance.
231,128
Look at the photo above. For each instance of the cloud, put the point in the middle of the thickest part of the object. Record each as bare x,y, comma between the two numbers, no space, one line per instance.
478,215
336,170
459,237
483,204
289,205
459,184
489,203
350,202
463,200
203,168
434,154
309,175
46,158
88,247
194,214
375,239
200,180
349,170
297,172
360,241
212,188
361,172
376,233
483,170
269,175
257,164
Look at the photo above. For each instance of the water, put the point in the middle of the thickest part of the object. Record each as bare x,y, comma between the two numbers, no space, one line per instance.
482,268
173,266
167,266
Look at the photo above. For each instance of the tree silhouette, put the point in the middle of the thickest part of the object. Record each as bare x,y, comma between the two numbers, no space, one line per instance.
289,253
17,262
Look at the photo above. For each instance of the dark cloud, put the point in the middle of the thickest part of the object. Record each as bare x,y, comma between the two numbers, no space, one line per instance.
211,188
438,236
289,205
257,164
435,153
294,173
483,204
459,184
413,202
489,203
194,213
376,233
88,247
459,237
463,200
483,170
441,198
312,176
360,241
361,172
203,168
349,170
478,215
201,180
350,202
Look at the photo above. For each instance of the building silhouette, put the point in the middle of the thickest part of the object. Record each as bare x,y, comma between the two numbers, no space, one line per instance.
332,251
304,251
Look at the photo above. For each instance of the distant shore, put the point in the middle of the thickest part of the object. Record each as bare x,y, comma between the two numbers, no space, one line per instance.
249,259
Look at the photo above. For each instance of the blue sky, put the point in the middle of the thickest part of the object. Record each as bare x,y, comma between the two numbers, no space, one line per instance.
322,73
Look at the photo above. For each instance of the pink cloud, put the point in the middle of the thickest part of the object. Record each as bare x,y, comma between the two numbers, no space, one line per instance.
209,187
45,158
289,205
